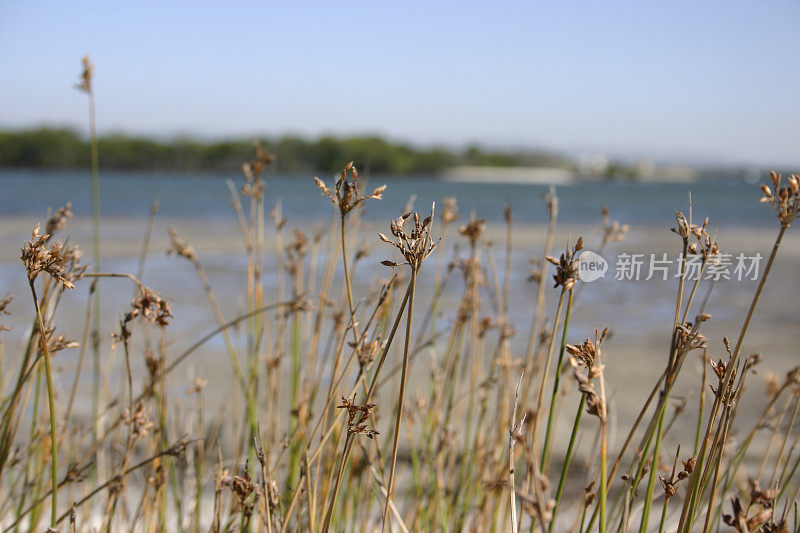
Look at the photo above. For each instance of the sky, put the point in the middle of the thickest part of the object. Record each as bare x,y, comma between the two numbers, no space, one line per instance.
684,81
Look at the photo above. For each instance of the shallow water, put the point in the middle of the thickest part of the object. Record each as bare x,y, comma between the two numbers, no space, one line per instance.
727,202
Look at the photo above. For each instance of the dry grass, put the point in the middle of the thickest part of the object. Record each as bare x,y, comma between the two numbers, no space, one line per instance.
351,454
319,431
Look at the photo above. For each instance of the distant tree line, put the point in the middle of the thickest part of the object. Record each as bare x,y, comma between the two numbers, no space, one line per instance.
63,148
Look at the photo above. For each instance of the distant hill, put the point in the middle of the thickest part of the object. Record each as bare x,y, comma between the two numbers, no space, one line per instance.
63,148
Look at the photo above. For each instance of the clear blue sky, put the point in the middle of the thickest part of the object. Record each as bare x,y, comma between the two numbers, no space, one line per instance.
691,80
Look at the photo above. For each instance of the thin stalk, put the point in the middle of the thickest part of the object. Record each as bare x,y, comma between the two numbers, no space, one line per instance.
403,379
603,447
52,406
347,280
699,429
556,382
512,438
567,460
339,474
663,520
96,265
531,362
551,344
651,483
146,241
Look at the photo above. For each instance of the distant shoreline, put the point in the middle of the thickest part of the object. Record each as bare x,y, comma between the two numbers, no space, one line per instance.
64,149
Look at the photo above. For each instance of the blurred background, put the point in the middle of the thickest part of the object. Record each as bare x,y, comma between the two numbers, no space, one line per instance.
612,90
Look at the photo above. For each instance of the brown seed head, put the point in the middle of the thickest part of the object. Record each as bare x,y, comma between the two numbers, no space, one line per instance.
785,199
611,231
415,244
180,247
85,83
357,416
585,355
39,258
150,307
449,210
346,194
58,221
566,266
473,230
4,301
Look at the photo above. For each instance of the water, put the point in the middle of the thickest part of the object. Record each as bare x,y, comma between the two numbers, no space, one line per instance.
727,202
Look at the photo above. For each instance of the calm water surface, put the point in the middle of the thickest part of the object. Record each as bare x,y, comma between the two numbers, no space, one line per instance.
726,202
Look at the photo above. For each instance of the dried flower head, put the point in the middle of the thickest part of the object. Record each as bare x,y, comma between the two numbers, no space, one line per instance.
550,199
367,351
784,199
705,244
741,521
670,484
85,84
611,231
296,251
793,376
589,494
56,343
58,221
346,194
688,337
76,472
139,422
38,258
415,245
180,247
154,364
178,449
587,355
684,228
764,497
151,307
254,186
473,230
449,210
357,416
198,386
566,266
241,486
4,301
535,274
276,214
773,383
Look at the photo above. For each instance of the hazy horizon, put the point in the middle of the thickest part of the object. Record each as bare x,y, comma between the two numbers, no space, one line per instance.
687,83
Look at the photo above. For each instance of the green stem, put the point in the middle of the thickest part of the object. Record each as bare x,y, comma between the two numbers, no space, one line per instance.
567,459
403,380
556,381
663,516
603,467
651,483
52,406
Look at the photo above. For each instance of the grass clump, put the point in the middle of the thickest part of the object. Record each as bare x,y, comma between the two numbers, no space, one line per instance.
330,422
